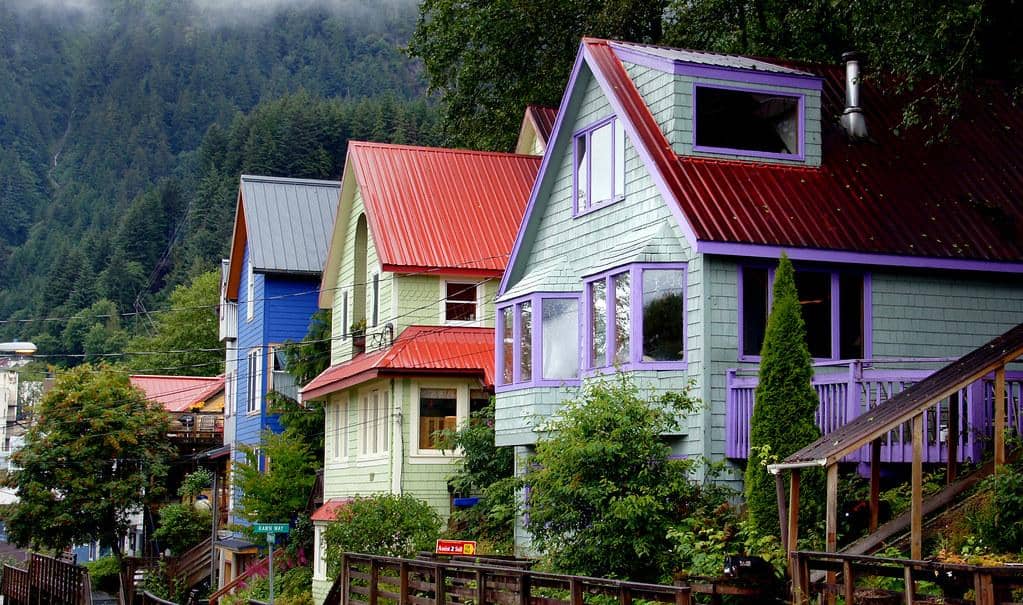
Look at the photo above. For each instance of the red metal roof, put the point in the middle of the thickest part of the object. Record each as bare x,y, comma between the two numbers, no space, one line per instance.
432,209
178,393
440,350
960,199
328,512
543,119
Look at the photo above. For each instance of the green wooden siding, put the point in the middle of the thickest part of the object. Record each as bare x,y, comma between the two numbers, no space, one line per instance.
579,246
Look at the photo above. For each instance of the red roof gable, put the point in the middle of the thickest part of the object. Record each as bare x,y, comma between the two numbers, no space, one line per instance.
178,393
439,350
543,119
447,209
328,512
961,199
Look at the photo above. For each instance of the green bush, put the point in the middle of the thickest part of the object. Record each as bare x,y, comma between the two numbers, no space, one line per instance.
104,574
604,489
999,521
182,526
385,524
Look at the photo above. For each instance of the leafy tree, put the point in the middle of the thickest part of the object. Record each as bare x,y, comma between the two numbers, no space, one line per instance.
281,490
97,453
186,338
604,490
490,59
182,526
785,403
488,471
385,524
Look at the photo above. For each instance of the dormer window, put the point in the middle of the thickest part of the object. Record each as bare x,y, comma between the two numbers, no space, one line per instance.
749,122
599,160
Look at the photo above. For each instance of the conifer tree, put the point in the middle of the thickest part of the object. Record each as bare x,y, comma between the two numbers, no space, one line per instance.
783,415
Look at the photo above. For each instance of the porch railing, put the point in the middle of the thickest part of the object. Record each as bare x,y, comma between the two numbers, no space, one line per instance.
853,388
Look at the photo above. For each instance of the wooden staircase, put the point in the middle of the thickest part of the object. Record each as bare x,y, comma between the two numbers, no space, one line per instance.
193,566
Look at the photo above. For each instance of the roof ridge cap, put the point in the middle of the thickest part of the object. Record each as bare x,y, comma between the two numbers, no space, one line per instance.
425,148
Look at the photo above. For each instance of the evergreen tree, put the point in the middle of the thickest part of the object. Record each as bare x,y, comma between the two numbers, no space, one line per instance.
783,414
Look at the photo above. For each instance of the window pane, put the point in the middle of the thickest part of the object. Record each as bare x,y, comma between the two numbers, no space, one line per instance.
598,324
505,327
437,411
582,177
747,121
622,317
850,320
754,309
384,432
373,423
619,158
560,338
461,302
663,315
814,289
526,341
601,164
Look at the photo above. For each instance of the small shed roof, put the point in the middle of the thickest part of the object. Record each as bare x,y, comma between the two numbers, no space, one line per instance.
913,400
444,350
328,512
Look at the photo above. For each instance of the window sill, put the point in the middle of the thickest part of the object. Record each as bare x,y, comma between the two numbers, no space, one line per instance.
650,366
432,457
252,413
518,386
370,460
597,206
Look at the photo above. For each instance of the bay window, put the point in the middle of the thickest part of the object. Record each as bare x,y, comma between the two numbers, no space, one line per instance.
636,317
537,340
834,306
599,162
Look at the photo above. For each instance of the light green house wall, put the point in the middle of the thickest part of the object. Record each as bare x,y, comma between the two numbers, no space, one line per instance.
639,228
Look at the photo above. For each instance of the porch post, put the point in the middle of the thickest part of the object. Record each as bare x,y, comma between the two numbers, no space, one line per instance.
916,506
999,418
783,513
831,521
793,537
875,482
952,437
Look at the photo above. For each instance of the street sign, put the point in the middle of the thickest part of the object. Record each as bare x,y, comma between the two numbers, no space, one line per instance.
270,528
455,547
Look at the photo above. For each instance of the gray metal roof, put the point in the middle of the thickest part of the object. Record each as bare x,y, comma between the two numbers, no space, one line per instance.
708,59
289,222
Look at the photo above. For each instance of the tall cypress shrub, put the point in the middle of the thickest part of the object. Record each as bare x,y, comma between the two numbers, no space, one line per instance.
783,414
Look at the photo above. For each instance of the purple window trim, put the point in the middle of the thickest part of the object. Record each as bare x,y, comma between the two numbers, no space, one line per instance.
799,156
635,363
513,305
590,204
744,75
868,324
858,258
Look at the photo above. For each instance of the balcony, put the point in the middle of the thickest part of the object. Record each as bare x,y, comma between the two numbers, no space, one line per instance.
850,388
284,383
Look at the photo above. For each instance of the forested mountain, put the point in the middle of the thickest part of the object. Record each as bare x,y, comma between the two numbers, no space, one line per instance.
124,125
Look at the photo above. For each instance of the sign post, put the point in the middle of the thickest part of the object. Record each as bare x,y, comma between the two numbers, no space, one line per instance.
271,530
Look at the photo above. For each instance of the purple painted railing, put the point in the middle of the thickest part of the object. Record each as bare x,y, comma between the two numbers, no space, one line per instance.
846,392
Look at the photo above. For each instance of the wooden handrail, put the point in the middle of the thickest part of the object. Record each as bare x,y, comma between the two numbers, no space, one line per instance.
194,564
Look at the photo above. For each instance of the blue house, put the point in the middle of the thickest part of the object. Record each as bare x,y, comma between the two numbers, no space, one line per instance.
270,290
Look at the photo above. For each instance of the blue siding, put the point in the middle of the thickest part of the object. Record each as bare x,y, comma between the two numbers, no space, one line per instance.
282,308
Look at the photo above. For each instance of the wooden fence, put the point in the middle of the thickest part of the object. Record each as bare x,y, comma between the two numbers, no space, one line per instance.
373,580
989,585
47,580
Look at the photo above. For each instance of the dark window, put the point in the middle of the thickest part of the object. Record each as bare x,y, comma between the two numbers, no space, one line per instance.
850,316
747,121
814,289
438,410
460,302
754,309
376,299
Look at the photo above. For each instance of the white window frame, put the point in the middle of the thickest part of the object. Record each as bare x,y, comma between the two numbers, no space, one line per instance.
250,293
374,423
254,381
444,283
339,432
376,300
461,414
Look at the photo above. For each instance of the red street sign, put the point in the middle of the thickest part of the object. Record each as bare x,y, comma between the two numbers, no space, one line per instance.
455,547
